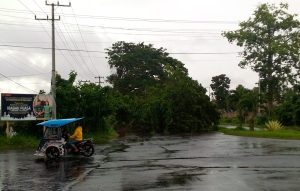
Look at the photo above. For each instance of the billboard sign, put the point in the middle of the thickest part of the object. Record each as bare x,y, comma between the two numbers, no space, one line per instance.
25,107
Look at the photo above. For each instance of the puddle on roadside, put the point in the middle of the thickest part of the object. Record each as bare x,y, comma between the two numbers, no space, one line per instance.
119,147
179,178
270,149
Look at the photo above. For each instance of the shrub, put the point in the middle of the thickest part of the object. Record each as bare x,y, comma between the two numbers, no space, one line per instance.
273,125
261,120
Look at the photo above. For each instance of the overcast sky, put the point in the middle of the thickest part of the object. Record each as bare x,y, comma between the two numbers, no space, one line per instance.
181,26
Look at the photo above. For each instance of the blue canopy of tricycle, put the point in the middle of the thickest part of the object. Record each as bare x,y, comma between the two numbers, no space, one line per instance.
54,123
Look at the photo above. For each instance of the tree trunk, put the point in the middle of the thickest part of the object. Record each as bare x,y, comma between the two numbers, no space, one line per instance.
251,120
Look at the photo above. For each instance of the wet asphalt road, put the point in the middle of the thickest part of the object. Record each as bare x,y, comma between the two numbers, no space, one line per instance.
207,162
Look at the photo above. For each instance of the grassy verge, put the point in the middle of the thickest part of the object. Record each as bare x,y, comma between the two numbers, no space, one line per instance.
102,137
29,142
18,142
278,134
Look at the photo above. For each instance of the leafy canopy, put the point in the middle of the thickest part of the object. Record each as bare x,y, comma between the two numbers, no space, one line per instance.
271,41
139,66
220,85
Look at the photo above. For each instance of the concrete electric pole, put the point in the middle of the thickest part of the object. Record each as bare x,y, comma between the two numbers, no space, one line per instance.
53,77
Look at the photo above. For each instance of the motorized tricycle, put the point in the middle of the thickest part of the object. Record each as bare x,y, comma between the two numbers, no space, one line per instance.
54,143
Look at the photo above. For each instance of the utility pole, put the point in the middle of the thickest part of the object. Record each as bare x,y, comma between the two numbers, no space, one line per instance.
99,78
53,77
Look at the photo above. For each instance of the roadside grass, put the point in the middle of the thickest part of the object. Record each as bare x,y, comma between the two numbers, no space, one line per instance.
18,142
103,136
277,134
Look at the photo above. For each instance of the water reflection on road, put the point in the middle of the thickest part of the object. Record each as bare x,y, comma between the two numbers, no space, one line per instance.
21,171
207,162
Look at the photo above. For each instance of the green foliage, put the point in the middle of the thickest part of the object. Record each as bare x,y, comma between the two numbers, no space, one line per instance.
229,120
245,102
67,97
289,111
271,48
103,136
180,106
18,142
94,105
247,107
235,96
273,125
139,66
261,120
85,100
220,85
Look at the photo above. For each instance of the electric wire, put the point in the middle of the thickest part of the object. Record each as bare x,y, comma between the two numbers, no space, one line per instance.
66,58
86,69
96,51
180,21
17,83
27,75
92,62
156,30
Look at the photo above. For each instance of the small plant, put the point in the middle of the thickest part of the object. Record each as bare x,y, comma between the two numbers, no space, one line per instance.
273,125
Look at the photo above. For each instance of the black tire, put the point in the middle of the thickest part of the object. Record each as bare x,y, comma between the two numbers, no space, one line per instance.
88,150
52,153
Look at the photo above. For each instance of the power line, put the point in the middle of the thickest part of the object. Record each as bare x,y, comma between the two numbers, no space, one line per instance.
206,36
140,29
47,53
155,32
17,60
107,42
203,53
44,28
84,44
74,56
122,28
17,83
46,48
27,75
64,41
80,55
96,51
58,33
135,19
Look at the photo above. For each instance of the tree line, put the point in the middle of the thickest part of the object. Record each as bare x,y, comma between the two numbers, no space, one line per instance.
150,92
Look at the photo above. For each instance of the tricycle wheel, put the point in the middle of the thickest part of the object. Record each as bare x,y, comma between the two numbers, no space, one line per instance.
52,153
88,150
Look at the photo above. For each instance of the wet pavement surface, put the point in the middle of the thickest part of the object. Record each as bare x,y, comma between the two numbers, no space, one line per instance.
207,162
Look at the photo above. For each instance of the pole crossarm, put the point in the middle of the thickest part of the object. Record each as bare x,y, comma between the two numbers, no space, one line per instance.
99,78
46,19
58,4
